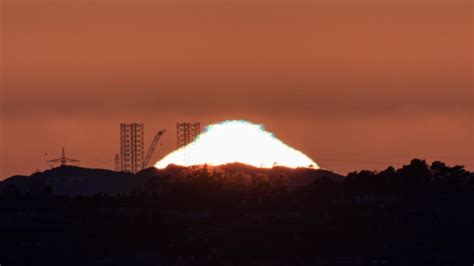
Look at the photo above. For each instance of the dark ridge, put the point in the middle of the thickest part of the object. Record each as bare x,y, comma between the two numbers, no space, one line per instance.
236,214
80,181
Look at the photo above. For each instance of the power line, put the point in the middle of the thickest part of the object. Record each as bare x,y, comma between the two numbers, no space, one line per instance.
354,161
367,162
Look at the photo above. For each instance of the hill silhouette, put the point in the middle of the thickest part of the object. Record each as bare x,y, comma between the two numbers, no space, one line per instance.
80,181
74,181
419,214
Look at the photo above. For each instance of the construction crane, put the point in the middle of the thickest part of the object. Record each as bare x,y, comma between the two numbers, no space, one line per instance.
152,148
63,160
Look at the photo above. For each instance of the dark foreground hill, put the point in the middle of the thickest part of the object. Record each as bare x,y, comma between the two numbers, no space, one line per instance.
74,181
78,181
419,214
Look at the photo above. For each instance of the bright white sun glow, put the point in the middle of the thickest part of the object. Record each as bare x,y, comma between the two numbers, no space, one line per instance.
237,141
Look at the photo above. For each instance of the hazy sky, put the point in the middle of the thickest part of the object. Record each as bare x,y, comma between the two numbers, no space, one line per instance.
354,84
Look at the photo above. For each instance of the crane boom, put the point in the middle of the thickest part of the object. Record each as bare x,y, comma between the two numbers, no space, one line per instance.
152,148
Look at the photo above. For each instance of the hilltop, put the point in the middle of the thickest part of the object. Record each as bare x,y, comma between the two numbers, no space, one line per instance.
80,181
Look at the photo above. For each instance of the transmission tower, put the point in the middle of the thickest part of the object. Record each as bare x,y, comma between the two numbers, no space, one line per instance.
63,160
117,163
186,133
131,147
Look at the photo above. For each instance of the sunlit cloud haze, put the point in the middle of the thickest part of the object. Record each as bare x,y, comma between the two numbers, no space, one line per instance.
237,141
355,84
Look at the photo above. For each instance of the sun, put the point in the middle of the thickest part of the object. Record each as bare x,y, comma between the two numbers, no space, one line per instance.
237,141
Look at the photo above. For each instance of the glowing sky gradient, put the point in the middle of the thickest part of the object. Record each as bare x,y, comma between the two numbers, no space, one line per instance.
355,84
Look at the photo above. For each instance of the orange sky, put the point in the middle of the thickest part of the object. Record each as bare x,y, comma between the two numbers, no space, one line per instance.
368,81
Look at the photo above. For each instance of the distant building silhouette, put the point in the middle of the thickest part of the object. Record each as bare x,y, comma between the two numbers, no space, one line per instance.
131,147
117,163
186,133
